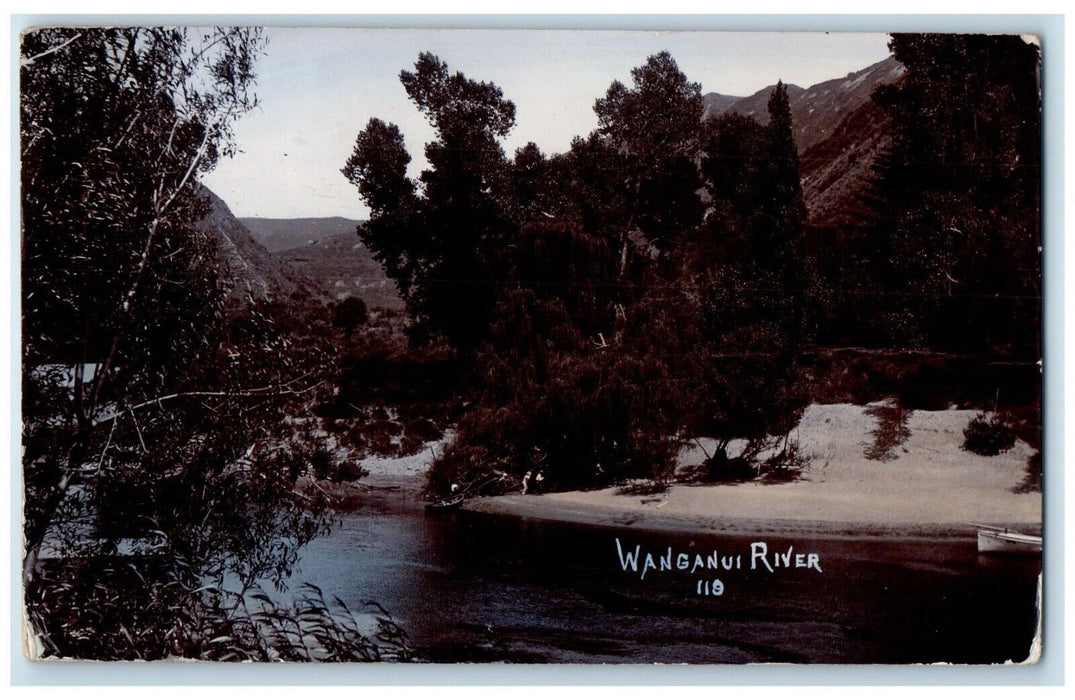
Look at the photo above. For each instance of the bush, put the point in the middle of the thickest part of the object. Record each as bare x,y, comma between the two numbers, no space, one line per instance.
720,467
470,468
424,430
348,470
381,445
410,445
324,464
349,314
355,437
988,434
593,421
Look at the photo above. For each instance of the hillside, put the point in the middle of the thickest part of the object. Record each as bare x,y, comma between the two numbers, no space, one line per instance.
818,109
756,105
838,131
341,266
327,252
281,234
251,272
837,171
715,104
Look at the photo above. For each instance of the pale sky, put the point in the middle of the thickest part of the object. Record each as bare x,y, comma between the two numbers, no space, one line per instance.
319,87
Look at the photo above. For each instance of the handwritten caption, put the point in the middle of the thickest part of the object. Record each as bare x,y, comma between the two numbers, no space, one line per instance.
758,557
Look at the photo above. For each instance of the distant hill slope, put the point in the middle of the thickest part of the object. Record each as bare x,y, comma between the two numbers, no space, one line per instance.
341,267
756,105
817,110
837,171
280,234
329,253
714,103
250,271
838,131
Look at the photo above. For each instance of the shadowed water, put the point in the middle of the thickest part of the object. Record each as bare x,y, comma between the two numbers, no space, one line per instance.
474,587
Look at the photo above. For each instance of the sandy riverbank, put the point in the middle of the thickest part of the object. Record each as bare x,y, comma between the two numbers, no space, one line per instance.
930,487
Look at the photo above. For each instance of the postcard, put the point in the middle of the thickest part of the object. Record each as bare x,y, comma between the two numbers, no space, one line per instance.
531,346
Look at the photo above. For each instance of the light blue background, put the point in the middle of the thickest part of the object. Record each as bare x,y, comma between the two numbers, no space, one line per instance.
1048,672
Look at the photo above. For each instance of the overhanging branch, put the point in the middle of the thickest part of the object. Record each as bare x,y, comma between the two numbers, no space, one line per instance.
260,392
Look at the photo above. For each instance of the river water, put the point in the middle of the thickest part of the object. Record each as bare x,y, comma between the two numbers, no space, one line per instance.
475,587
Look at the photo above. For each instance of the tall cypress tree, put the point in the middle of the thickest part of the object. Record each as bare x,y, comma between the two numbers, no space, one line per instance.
786,210
787,214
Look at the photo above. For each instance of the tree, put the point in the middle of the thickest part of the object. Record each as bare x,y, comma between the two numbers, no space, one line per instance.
613,316
652,132
444,246
378,167
745,276
349,314
149,463
570,382
787,212
958,196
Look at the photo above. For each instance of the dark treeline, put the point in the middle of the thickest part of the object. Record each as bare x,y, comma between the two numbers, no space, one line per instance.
658,280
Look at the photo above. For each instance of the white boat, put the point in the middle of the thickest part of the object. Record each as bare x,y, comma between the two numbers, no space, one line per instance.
997,540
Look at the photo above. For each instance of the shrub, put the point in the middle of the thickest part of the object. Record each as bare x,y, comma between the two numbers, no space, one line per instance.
322,462
988,434
424,430
720,467
355,437
381,445
386,427
349,314
326,465
348,470
470,468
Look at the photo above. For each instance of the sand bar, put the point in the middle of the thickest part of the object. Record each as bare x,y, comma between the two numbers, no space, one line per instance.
929,487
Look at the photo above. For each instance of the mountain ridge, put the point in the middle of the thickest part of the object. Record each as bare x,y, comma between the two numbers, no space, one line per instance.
816,111
839,133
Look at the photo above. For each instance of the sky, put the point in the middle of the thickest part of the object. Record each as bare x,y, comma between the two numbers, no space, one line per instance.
319,87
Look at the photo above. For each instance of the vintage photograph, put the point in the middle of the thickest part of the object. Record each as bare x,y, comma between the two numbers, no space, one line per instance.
530,346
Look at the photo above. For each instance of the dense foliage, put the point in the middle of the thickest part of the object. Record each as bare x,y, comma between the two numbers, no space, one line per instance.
442,247
988,435
615,315
153,458
658,280
958,196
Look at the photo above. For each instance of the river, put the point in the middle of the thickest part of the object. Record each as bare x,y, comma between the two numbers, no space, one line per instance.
480,588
